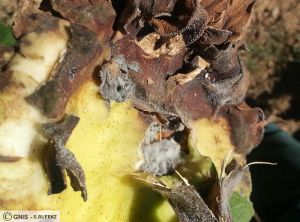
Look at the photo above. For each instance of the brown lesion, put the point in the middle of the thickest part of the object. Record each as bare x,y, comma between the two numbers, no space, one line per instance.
9,159
6,52
29,18
82,55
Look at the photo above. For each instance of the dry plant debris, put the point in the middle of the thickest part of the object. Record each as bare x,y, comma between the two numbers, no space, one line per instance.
176,61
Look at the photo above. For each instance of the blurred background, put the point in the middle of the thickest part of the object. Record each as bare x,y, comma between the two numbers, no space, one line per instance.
273,60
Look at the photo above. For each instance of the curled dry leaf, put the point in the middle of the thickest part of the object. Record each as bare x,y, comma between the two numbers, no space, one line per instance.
58,159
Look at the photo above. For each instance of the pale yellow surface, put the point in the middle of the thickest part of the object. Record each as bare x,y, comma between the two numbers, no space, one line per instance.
212,139
106,144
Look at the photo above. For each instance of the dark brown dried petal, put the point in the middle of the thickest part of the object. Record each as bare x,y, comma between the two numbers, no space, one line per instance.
83,54
213,88
129,20
212,36
237,18
55,174
231,15
195,26
191,101
191,29
162,7
216,11
67,161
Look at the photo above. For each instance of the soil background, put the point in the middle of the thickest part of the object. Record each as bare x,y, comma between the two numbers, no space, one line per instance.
273,59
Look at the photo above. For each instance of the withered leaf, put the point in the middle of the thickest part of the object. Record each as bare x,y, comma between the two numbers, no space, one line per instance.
187,203
58,158
213,88
225,84
218,199
247,126
82,55
237,18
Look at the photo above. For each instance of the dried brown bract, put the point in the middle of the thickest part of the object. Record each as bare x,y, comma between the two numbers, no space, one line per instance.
187,203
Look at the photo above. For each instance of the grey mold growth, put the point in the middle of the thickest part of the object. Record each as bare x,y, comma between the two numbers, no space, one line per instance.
120,60
161,157
116,84
221,92
158,157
